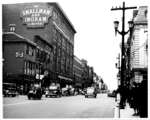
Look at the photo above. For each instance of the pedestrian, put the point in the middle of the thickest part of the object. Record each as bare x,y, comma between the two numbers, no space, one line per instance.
143,111
130,96
121,91
135,97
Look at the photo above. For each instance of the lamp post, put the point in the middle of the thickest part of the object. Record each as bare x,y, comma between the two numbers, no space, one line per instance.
118,67
123,33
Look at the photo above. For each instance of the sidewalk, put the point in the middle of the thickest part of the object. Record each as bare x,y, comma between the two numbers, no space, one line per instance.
127,112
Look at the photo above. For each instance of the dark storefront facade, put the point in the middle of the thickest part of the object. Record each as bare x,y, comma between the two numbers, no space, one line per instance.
38,44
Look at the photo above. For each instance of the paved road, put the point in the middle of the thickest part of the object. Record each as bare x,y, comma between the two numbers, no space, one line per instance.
64,107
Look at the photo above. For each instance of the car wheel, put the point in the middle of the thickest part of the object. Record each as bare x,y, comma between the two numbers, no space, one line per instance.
29,97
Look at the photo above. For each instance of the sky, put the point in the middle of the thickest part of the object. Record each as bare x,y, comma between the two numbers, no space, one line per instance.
95,39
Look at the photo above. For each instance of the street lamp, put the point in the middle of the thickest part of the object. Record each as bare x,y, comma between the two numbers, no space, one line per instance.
122,33
116,24
130,25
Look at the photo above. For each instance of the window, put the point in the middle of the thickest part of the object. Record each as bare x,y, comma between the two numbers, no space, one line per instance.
12,27
25,68
54,15
30,50
27,50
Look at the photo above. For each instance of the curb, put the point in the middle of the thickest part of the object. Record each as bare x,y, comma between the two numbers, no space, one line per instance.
116,110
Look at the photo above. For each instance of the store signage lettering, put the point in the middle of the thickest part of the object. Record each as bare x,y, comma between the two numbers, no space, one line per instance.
19,54
36,16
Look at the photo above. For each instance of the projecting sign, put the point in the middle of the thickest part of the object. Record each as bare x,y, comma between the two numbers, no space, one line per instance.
36,16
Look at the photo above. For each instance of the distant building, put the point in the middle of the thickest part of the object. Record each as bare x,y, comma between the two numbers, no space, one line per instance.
77,70
38,40
87,74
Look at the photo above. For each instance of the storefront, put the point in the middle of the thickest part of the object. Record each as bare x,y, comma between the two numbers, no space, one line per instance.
65,81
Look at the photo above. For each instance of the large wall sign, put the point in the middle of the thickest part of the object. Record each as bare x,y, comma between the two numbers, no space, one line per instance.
36,16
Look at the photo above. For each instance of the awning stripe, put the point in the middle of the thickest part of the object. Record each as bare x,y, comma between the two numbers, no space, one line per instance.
62,77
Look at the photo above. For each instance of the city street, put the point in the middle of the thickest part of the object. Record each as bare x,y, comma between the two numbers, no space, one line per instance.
64,107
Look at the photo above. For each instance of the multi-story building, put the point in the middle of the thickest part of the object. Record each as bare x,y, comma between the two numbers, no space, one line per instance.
87,74
138,44
38,40
18,60
77,70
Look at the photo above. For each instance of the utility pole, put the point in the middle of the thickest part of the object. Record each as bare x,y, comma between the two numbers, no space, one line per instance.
122,33
118,66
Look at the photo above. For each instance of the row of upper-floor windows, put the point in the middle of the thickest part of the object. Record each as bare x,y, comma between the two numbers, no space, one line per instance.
30,68
61,21
62,41
42,55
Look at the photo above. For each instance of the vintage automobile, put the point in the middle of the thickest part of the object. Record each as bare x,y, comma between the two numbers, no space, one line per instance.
68,91
10,90
53,91
90,92
72,91
111,93
35,92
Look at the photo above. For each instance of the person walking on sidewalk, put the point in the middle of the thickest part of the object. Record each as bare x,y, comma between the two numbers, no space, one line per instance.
143,100
134,103
122,91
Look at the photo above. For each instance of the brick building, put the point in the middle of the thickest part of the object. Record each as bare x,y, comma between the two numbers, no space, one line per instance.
77,70
38,41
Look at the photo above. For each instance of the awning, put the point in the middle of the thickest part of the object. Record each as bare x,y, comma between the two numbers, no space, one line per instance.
78,84
62,77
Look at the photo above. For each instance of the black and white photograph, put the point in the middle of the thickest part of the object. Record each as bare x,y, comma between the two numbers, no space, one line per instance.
68,59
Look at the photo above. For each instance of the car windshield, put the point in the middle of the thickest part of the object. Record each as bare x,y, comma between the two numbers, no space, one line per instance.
53,87
9,86
89,90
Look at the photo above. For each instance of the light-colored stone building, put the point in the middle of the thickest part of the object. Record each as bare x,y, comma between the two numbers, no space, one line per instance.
139,45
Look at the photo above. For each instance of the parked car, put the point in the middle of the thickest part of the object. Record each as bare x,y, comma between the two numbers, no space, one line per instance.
90,92
111,93
68,91
64,91
72,91
10,90
53,91
35,92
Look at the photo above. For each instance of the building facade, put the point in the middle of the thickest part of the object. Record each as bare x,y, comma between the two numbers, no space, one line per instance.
77,70
19,65
44,35
87,74
138,46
